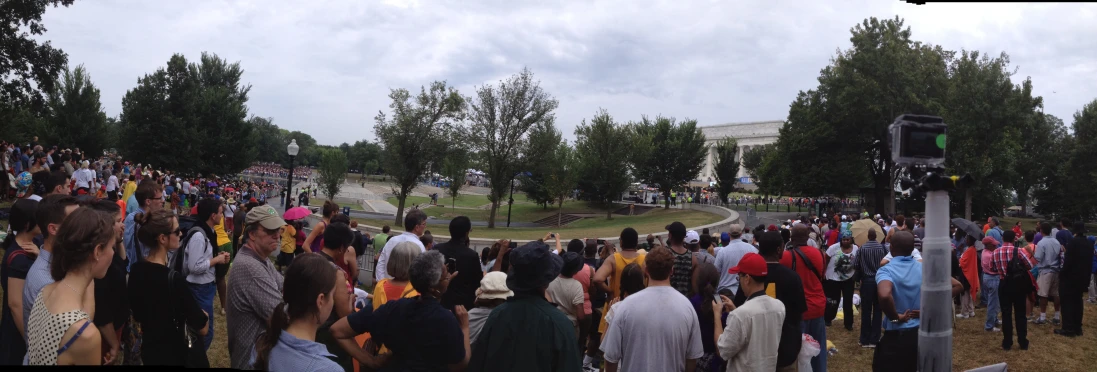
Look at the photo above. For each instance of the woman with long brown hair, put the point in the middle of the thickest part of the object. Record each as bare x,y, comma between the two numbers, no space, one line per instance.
307,301
84,247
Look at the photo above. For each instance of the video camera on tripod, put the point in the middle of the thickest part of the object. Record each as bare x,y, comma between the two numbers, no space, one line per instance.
918,144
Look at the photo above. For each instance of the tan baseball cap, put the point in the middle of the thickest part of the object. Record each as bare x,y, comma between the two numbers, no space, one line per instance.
265,216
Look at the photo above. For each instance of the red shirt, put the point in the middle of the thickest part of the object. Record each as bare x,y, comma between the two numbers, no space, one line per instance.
813,284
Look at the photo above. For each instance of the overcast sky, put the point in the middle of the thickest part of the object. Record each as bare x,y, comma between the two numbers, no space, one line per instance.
326,67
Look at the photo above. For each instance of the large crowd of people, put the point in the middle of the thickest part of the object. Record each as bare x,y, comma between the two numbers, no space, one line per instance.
132,278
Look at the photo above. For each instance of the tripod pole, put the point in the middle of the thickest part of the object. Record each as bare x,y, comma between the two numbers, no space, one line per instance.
935,332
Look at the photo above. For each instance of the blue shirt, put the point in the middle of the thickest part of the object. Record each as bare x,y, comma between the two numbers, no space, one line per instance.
292,354
129,236
995,233
905,275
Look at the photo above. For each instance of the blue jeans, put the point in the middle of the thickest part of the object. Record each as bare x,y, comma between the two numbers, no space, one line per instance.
203,295
871,314
990,288
817,329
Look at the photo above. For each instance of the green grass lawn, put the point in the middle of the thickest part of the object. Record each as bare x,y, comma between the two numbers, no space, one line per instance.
320,203
651,222
1030,224
462,201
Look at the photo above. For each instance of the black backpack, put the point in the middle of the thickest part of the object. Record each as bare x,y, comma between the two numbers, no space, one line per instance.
1017,275
192,226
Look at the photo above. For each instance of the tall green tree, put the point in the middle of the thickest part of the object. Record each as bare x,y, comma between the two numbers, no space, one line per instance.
29,67
604,171
455,167
1038,136
270,145
540,152
1081,170
845,119
561,180
500,120
333,171
726,168
365,156
670,153
751,161
1053,194
202,106
417,133
984,139
76,114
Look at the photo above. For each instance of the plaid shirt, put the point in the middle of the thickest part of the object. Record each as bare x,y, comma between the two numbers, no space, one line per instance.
1001,256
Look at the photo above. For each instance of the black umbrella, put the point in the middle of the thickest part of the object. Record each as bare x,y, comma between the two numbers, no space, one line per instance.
971,228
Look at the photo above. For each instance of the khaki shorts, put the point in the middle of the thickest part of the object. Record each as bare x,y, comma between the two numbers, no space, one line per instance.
1049,285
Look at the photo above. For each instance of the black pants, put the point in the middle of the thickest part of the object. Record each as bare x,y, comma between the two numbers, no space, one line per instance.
112,195
870,312
594,338
1013,311
897,351
835,290
1071,300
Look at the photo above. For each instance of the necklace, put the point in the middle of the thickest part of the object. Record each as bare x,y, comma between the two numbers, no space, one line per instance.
70,287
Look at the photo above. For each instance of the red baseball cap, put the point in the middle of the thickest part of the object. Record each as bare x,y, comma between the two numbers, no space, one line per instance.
751,264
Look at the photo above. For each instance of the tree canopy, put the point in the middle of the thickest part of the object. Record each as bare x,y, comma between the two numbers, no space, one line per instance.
726,168
202,106
500,119
333,171
604,170
416,134
670,153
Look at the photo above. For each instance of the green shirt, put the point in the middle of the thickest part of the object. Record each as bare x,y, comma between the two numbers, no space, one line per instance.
527,334
379,242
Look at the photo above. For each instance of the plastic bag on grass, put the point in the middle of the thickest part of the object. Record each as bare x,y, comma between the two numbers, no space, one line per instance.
809,349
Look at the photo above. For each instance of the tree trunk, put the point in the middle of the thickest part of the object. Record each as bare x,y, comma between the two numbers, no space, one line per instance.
967,204
400,209
491,217
609,212
1023,200
560,213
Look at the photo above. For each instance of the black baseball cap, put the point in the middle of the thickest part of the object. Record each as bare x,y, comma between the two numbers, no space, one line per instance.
677,230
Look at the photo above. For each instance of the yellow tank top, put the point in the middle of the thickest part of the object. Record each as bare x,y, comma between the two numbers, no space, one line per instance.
619,263
222,237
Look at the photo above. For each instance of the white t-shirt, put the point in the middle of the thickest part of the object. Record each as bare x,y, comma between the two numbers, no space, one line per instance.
639,339
837,257
112,183
916,254
84,178
566,293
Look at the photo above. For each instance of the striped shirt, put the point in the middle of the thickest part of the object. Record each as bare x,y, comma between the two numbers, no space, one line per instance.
1001,256
868,258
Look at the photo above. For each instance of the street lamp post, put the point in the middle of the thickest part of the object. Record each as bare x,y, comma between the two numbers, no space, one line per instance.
292,151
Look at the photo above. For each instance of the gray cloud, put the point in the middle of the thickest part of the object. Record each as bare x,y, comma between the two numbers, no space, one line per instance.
325,68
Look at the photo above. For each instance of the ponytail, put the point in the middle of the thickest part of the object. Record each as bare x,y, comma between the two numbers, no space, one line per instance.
278,322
